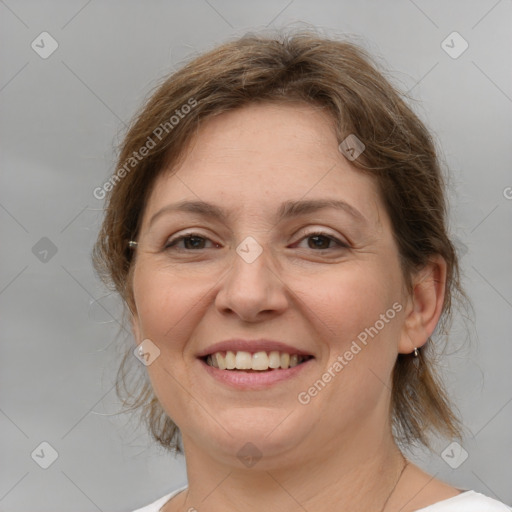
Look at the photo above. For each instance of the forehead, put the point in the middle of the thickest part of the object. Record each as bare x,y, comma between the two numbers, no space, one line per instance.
255,157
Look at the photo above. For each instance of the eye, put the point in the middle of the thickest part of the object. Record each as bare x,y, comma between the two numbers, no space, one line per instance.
321,241
192,241
195,241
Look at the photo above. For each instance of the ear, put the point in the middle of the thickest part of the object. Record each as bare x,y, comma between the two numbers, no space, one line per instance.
425,305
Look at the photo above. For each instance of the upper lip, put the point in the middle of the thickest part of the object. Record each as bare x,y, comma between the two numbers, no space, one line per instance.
260,345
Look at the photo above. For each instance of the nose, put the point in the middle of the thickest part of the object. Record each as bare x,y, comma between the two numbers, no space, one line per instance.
252,289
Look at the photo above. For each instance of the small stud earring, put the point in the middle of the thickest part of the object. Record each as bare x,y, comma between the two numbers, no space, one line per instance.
132,244
416,352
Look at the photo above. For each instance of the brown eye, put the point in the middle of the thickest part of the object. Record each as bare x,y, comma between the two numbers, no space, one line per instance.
192,241
321,241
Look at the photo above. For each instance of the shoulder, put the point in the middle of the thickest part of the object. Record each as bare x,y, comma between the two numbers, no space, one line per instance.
159,503
468,501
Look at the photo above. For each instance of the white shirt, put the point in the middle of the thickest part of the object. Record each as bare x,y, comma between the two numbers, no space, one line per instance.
467,501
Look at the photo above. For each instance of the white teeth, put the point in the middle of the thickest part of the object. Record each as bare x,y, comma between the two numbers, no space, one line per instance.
274,359
242,360
230,360
260,361
221,361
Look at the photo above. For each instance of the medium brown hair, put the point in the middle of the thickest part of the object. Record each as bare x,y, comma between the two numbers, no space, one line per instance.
341,78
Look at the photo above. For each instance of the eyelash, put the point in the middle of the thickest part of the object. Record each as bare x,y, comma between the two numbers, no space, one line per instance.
172,243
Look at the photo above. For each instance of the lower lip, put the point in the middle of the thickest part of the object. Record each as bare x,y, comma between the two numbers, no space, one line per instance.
255,380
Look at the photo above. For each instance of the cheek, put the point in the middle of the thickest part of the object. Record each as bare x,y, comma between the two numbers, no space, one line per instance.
165,304
167,309
361,345
353,298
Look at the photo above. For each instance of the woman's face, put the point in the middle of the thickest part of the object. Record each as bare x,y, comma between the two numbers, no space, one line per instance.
255,274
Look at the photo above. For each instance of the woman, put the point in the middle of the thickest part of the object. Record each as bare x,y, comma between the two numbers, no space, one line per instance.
277,229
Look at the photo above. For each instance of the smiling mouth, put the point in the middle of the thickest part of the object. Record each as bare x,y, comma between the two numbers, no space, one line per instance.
254,362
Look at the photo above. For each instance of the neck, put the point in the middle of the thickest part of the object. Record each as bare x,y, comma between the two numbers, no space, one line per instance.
358,475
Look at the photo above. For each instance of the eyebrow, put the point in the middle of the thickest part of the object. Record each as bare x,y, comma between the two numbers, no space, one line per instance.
288,209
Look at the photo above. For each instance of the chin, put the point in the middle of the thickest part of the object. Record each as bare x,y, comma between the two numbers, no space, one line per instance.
271,436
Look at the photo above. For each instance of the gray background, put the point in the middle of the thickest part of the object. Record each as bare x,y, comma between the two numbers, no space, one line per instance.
60,118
